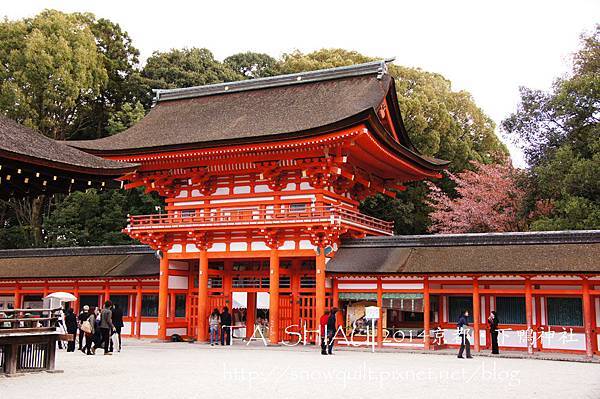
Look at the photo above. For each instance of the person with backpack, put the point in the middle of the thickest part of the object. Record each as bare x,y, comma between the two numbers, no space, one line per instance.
463,332
213,324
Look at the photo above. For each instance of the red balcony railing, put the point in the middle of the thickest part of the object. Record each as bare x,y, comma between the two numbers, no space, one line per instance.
230,218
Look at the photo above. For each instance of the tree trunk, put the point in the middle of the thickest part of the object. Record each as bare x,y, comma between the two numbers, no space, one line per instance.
37,205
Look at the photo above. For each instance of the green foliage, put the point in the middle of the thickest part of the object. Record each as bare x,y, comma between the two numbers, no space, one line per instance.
441,123
50,69
120,60
185,68
126,117
252,65
560,134
95,218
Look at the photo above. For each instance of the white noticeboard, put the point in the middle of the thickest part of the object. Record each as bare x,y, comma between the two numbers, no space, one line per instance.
371,312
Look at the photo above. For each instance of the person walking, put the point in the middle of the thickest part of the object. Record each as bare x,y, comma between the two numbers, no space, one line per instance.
493,323
117,319
463,332
71,325
83,316
89,329
323,330
106,326
97,338
331,330
225,320
213,324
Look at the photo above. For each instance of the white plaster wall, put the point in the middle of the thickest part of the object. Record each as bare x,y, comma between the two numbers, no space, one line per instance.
306,244
218,247
180,331
512,339
451,337
241,189
191,248
259,246
238,246
177,248
262,188
149,328
574,342
126,330
178,282
392,286
288,245
343,286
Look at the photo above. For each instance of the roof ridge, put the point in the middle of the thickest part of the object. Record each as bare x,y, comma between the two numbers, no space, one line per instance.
369,68
510,238
75,251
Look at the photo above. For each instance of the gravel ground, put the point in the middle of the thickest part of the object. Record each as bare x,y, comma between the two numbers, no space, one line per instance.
181,370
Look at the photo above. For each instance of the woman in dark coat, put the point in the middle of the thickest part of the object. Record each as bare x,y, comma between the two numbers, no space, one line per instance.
493,323
71,325
463,332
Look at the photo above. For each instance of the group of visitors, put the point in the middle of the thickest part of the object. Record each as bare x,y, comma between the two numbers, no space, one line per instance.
97,327
220,325
464,329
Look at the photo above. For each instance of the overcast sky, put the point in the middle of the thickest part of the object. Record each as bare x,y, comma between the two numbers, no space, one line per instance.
487,48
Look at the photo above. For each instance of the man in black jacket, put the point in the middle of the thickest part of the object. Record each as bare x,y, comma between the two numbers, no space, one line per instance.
331,330
117,319
225,326
71,325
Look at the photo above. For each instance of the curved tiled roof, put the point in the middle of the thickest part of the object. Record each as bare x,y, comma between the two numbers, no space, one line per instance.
531,252
111,261
260,110
19,143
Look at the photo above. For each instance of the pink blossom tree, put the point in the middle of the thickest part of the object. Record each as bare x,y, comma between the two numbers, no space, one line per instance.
489,199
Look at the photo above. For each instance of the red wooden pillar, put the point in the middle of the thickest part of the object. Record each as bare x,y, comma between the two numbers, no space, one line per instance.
203,295
529,315
106,292
295,284
587,318
476,314
163,295
336,294
250,314
227,283
17,300
76,294
138,310
380,306
538,321
426,313
171,312
274,296
320,285
486,311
